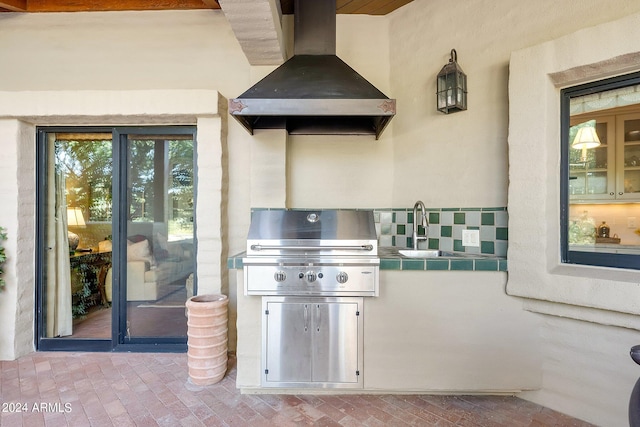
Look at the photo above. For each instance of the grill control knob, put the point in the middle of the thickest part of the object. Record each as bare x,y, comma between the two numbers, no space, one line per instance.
280,276
311,276
342,277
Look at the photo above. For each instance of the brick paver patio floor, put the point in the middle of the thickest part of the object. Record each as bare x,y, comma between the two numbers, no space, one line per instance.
148,389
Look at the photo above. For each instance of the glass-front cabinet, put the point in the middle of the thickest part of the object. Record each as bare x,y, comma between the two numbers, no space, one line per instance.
609,171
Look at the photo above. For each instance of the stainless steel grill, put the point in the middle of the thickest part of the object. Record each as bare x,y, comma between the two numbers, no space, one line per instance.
312,252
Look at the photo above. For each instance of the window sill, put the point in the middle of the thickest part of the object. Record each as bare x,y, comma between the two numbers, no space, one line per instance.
601,295
597,272
585,314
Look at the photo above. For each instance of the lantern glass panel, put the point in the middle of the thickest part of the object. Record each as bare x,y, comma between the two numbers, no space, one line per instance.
461,88
442,100
443,89
442,83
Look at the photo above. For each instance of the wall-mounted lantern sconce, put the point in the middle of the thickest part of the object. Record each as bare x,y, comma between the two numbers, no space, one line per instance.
452,87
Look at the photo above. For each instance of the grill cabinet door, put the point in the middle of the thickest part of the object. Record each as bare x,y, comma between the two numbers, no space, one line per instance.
288,346
335,342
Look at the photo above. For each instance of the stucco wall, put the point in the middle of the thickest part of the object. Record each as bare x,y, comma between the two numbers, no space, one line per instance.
587,371
461,159
448,332
121,50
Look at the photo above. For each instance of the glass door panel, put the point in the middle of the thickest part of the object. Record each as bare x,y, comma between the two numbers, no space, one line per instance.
628,185
591,177
77,215
160,256
631,165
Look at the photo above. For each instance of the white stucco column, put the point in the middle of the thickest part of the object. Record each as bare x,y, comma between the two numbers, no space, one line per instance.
211,206
17,192
269,169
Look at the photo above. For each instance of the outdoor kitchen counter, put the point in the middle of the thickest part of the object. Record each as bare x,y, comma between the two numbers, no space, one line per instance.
431,331
390,259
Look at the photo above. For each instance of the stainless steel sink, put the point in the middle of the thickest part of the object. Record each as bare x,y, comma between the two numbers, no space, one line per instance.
425,253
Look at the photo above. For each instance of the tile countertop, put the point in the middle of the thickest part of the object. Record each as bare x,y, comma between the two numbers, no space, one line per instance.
390,259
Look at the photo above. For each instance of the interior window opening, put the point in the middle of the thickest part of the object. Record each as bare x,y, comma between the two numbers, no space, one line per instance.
600,173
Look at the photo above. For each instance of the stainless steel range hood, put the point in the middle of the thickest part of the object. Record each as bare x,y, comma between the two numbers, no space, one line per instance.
314,92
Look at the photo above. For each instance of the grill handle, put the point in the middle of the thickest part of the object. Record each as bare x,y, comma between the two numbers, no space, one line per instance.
311,248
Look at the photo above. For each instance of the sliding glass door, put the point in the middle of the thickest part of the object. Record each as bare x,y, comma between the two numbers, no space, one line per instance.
75,227
159,245
116,237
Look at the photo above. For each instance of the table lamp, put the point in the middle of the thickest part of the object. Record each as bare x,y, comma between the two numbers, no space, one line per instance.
74,219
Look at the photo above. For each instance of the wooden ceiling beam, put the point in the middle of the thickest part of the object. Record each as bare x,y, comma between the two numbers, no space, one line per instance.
257,27
105,6
369,7
14,5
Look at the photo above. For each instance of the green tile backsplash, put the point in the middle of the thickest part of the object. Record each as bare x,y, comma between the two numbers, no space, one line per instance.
395,228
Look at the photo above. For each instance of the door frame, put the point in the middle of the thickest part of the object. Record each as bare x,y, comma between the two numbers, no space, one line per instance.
118,342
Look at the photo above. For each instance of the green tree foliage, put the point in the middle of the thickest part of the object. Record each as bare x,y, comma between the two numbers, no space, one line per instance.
88,168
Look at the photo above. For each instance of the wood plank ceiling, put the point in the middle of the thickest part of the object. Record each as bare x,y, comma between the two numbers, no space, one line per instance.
256,23
368,7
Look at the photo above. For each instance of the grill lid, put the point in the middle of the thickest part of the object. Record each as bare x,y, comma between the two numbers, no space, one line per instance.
312,230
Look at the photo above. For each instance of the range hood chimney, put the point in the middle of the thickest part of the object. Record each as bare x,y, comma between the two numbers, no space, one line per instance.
314,92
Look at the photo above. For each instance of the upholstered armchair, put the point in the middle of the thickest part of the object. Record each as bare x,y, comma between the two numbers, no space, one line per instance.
152,276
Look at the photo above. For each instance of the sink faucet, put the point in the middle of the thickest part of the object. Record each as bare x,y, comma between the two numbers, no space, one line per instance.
423,221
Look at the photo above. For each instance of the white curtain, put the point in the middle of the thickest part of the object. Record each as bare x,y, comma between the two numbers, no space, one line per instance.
59,318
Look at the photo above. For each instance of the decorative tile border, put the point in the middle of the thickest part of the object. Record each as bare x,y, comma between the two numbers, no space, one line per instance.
395,229
399,263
